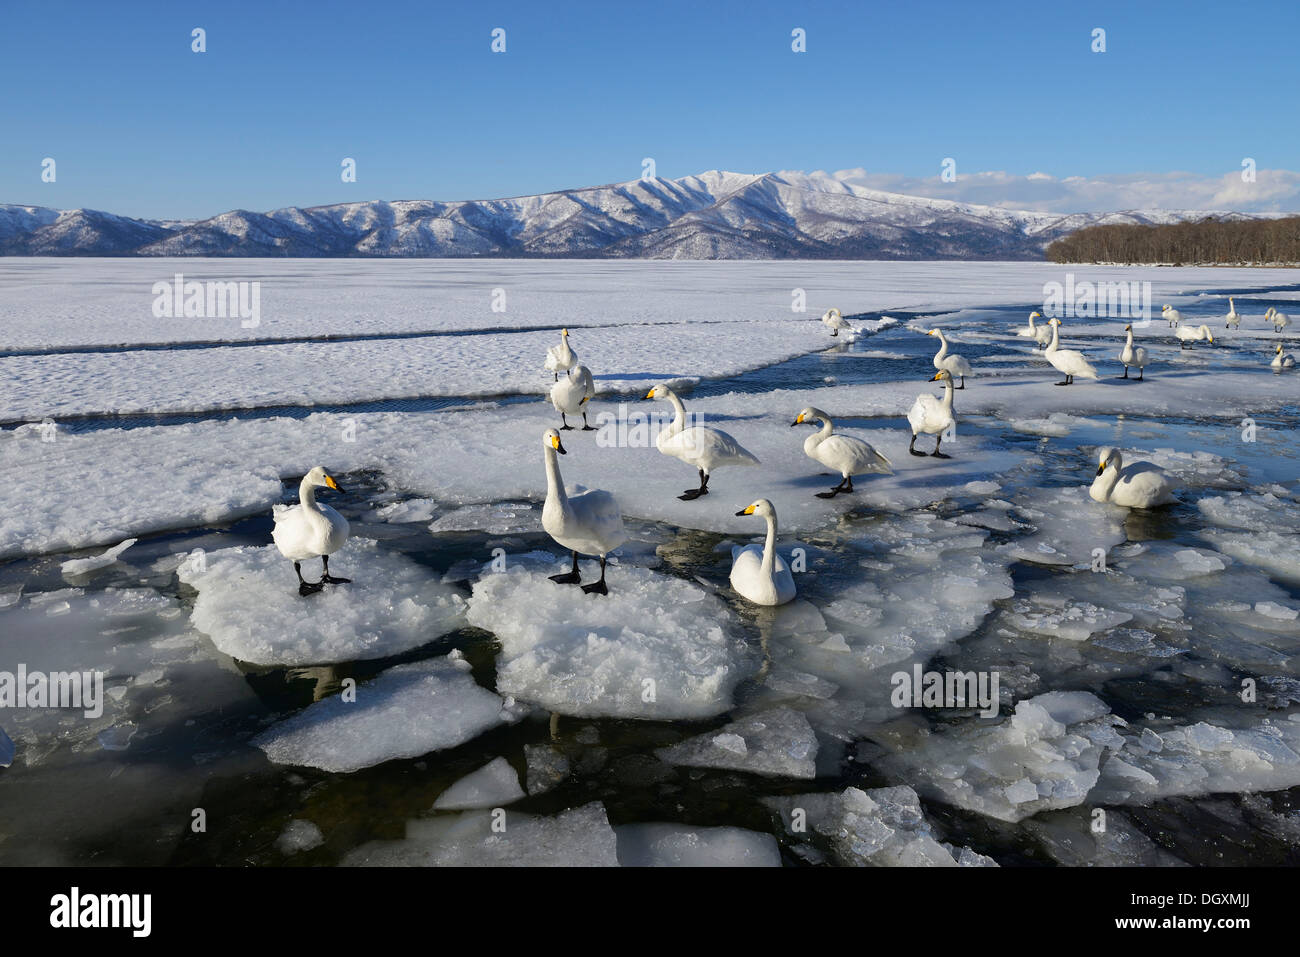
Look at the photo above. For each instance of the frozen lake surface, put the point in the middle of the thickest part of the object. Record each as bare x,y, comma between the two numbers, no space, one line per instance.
671,723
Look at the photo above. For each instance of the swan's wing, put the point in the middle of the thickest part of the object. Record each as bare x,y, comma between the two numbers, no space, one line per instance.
859,454
703,442
724,445
598,510
922,411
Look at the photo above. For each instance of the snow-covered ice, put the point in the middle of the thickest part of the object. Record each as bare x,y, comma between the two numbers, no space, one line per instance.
406,711
778,742
673,845
496,784
248,603
655,647
298,836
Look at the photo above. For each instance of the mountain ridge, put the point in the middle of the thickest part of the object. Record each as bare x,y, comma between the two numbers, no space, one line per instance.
716,214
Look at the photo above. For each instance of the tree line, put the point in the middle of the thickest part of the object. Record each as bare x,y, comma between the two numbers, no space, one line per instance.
1209,240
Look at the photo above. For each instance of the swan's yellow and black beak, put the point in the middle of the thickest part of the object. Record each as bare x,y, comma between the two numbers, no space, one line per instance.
648,395
584,399
936,377
558,445
747,510
329,480
798,421
932,332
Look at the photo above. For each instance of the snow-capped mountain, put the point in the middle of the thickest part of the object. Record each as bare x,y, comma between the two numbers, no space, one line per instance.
715,215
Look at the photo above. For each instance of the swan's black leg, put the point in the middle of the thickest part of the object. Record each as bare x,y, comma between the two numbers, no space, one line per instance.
1141,372
569,577
911,447
305,587
936,453
694,493
585,426
564,424
599,587
327,578
963,383
1125,375
833,492
834,333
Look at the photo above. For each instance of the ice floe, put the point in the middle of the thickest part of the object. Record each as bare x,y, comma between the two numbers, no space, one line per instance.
404,712
655,647
248,604
778,742
675,845
496,784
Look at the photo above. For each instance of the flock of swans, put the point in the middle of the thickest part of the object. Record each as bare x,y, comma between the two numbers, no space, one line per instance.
589,521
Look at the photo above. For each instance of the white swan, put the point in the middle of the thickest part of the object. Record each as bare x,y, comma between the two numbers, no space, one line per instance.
1282,360
945,363
833,321
310,530
932,415
587,522
561,358
1187,335
1040,334
759,573
1067,361
698,445
570,394
1132,356
845,454
1140,485
1172,315
1280,320
1232,320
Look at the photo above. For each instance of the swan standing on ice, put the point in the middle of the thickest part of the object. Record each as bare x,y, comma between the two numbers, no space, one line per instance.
1140,485
1187,335
760,574
954,364
587,522
570,394
1173,315
932,416
1040,334
833,321
845,454
1280,320
310,530
1067,361
1232,320
1282,360
700,446
561,358
1132,356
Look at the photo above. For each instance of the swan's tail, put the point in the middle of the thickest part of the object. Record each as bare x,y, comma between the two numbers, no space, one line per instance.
883,464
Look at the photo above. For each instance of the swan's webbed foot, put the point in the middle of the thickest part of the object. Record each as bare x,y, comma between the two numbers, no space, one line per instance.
693,493
309,588
912,447
586,426
331,580
940,455
596,588
566,428
831,494
567,578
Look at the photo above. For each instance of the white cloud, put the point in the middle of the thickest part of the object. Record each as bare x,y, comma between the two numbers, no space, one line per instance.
1273,191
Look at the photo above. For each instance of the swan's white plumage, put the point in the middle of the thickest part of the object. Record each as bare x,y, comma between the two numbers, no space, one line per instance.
561,358
758,573
846,454
1200,333
568,394
1040,334
586,521
1232,319
1139,485
1132,355
309,529
1280,320
698,445
1173,316
833,321
1282,360
944,362
1067,361
930,414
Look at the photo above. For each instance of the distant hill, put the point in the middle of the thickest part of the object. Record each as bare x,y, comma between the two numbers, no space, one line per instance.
714,215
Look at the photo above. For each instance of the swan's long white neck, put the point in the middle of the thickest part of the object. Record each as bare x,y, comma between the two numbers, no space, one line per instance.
679,417
1032,327
943,347
947,394
1052,346
1107,480
824,432
769,547
1130,338
554,484
307,495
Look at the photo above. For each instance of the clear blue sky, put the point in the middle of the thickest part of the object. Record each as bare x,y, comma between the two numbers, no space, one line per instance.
140,125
